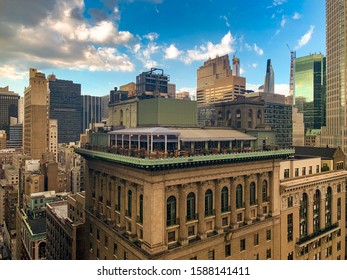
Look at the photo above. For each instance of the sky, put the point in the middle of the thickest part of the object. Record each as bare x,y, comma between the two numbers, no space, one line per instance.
102,44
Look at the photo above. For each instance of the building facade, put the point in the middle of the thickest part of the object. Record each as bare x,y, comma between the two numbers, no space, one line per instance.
152,83
269,81
65,107
216,83
310,84
8,108
36,115
91,110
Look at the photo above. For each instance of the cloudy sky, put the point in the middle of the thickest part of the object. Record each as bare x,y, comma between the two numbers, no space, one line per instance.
106,43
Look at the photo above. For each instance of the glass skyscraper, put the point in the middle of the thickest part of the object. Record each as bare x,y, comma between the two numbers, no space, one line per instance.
310,84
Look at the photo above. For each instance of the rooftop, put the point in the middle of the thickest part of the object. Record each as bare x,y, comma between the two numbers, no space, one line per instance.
323,152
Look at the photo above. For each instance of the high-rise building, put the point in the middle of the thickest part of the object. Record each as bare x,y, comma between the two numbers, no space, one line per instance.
310,89
215,82
53,138
335,132
36,115
236,66
104,106
8,108
152,83
292,75
91,110
65,107
269,83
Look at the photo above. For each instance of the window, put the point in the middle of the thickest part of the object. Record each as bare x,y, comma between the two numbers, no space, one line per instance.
339,209
208,203
290,256
296,172
224,200
115,249
290,201
310,170
316,211
252,194
227,250
239,217
268,234
286,173
303,215
171,211
256,256
268,253
106,241
338,246
328,204
242,244
125,255
191,231
339,188
256,239
239,198
290,227
141,209
265,191
129,203
303,171
191,207
97,234
339,166
171,236
119,195
211,255
317,168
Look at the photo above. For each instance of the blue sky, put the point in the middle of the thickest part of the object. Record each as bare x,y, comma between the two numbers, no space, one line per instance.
106,43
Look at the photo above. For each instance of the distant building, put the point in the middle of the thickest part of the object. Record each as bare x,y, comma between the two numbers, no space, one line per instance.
236,66
53,138
269,83
104,106
152,83
216,83
65,107
183,95
130,88
171,90
312,137
310,89
36,115
3,141
91,110
8,108
298,127
16,136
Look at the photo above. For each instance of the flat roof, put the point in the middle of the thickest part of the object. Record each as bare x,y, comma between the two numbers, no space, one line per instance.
145,131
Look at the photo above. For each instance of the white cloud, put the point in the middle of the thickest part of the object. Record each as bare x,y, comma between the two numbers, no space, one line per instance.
248,47
305,38
278,2
283,21
145,53
210,50
151,36
296,16
172,52
258,50
10,72
226,21
254,65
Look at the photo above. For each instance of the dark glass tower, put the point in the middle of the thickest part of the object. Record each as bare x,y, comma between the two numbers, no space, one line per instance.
91,110
310,84
269,83
66,107
8,108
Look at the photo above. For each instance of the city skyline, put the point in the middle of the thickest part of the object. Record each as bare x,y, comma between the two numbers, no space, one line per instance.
108,43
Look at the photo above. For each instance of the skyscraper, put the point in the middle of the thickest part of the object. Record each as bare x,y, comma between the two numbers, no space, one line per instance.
66,108
8,108
91,110
236,66
335,132
291,77
216,83
310,89
269,84
35,128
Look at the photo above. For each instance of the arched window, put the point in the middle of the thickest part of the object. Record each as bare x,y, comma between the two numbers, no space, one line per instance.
239,197
252,194
224,200
191,207
328,203
208,203
141,209
238,118
316,211
171,211
119,196
264,191
130,194
250,118
303,215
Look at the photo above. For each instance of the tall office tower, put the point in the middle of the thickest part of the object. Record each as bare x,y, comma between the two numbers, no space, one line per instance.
310,89
91,110
36,111
236,66
215,82
269,83
171,90
292,77
335,132
152,83
20,110
104,106
8,108
65,106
